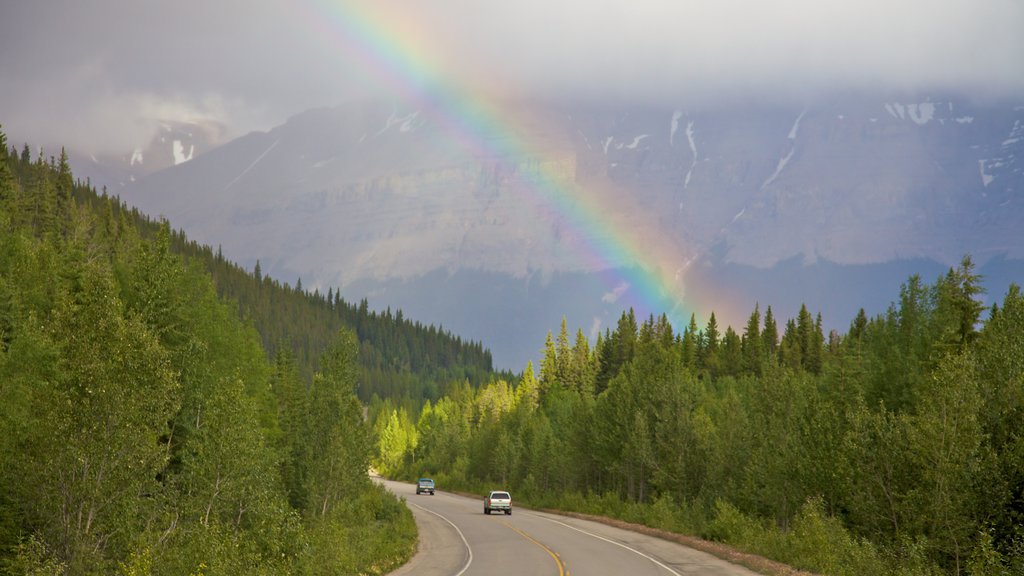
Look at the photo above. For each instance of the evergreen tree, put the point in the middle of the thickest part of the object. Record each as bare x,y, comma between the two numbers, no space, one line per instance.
6,178
691,344
582,366
771,336
549,367
753,344
957,309
711,341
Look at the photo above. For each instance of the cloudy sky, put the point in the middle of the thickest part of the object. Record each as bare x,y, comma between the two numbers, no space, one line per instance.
100,75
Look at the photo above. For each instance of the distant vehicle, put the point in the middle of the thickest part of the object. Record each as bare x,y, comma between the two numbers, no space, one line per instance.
425,485
498,500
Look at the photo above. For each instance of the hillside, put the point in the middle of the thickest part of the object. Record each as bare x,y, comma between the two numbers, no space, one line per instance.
145,430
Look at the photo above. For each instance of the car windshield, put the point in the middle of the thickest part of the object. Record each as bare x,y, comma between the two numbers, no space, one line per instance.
500,496
427,481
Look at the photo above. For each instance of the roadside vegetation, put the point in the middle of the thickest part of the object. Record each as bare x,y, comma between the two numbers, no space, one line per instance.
145,429
896,448
164,412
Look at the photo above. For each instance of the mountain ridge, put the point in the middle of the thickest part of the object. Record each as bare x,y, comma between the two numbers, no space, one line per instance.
379,195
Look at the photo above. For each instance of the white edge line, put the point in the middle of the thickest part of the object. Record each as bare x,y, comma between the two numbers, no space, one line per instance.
464,541
633,550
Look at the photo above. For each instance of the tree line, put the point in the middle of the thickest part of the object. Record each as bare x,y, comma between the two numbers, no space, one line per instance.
144,427
398,357
895,448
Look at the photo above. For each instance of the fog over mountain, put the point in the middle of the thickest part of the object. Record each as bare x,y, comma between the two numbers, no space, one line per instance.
102,77
773,204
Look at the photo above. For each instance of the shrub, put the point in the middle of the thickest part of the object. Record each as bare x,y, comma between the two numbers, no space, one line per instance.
731,526
821,543
663,513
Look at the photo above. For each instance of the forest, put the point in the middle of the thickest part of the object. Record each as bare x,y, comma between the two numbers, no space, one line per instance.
165,411
147,427
397,357
895,448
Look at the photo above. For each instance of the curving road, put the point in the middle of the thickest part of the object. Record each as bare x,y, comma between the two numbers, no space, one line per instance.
458,539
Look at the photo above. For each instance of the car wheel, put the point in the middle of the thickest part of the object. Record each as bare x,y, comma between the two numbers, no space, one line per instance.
487,510
508,512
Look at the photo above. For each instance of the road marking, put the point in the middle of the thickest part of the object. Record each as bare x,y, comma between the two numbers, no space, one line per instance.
558,561
464,541
633,550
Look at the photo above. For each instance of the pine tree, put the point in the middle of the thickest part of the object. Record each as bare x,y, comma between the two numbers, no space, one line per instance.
6,177
753,343
564,373
711,340
549,367
528,390
63,185
790,349
731,353
583,366
957,308
771,336
691,344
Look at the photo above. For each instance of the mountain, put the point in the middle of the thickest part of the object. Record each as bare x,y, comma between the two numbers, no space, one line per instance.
466,220
175,143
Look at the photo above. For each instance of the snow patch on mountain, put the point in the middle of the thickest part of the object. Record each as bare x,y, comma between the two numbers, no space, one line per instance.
986,178
1016,134
673,127
178,149
921,113
693,149
405,123
896,110
136,157
585,139
636,142
796,125
250,166
778,169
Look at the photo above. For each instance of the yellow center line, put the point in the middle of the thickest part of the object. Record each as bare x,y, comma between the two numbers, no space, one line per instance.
558,561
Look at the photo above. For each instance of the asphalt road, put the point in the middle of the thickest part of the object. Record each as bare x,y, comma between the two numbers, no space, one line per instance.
458,539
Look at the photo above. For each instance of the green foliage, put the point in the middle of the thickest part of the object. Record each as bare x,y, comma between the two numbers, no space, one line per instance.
985,559
882,451
371,534
143,429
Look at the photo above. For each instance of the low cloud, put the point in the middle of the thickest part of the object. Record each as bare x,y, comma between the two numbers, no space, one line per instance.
100,119
614,295
595,329
107,72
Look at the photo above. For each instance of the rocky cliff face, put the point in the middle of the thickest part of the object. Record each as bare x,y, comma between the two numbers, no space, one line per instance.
397,195
370,194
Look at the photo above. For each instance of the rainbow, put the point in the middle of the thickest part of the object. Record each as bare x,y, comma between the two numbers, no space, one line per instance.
650,264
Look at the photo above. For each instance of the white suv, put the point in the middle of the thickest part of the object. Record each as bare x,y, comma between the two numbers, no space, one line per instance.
498,500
